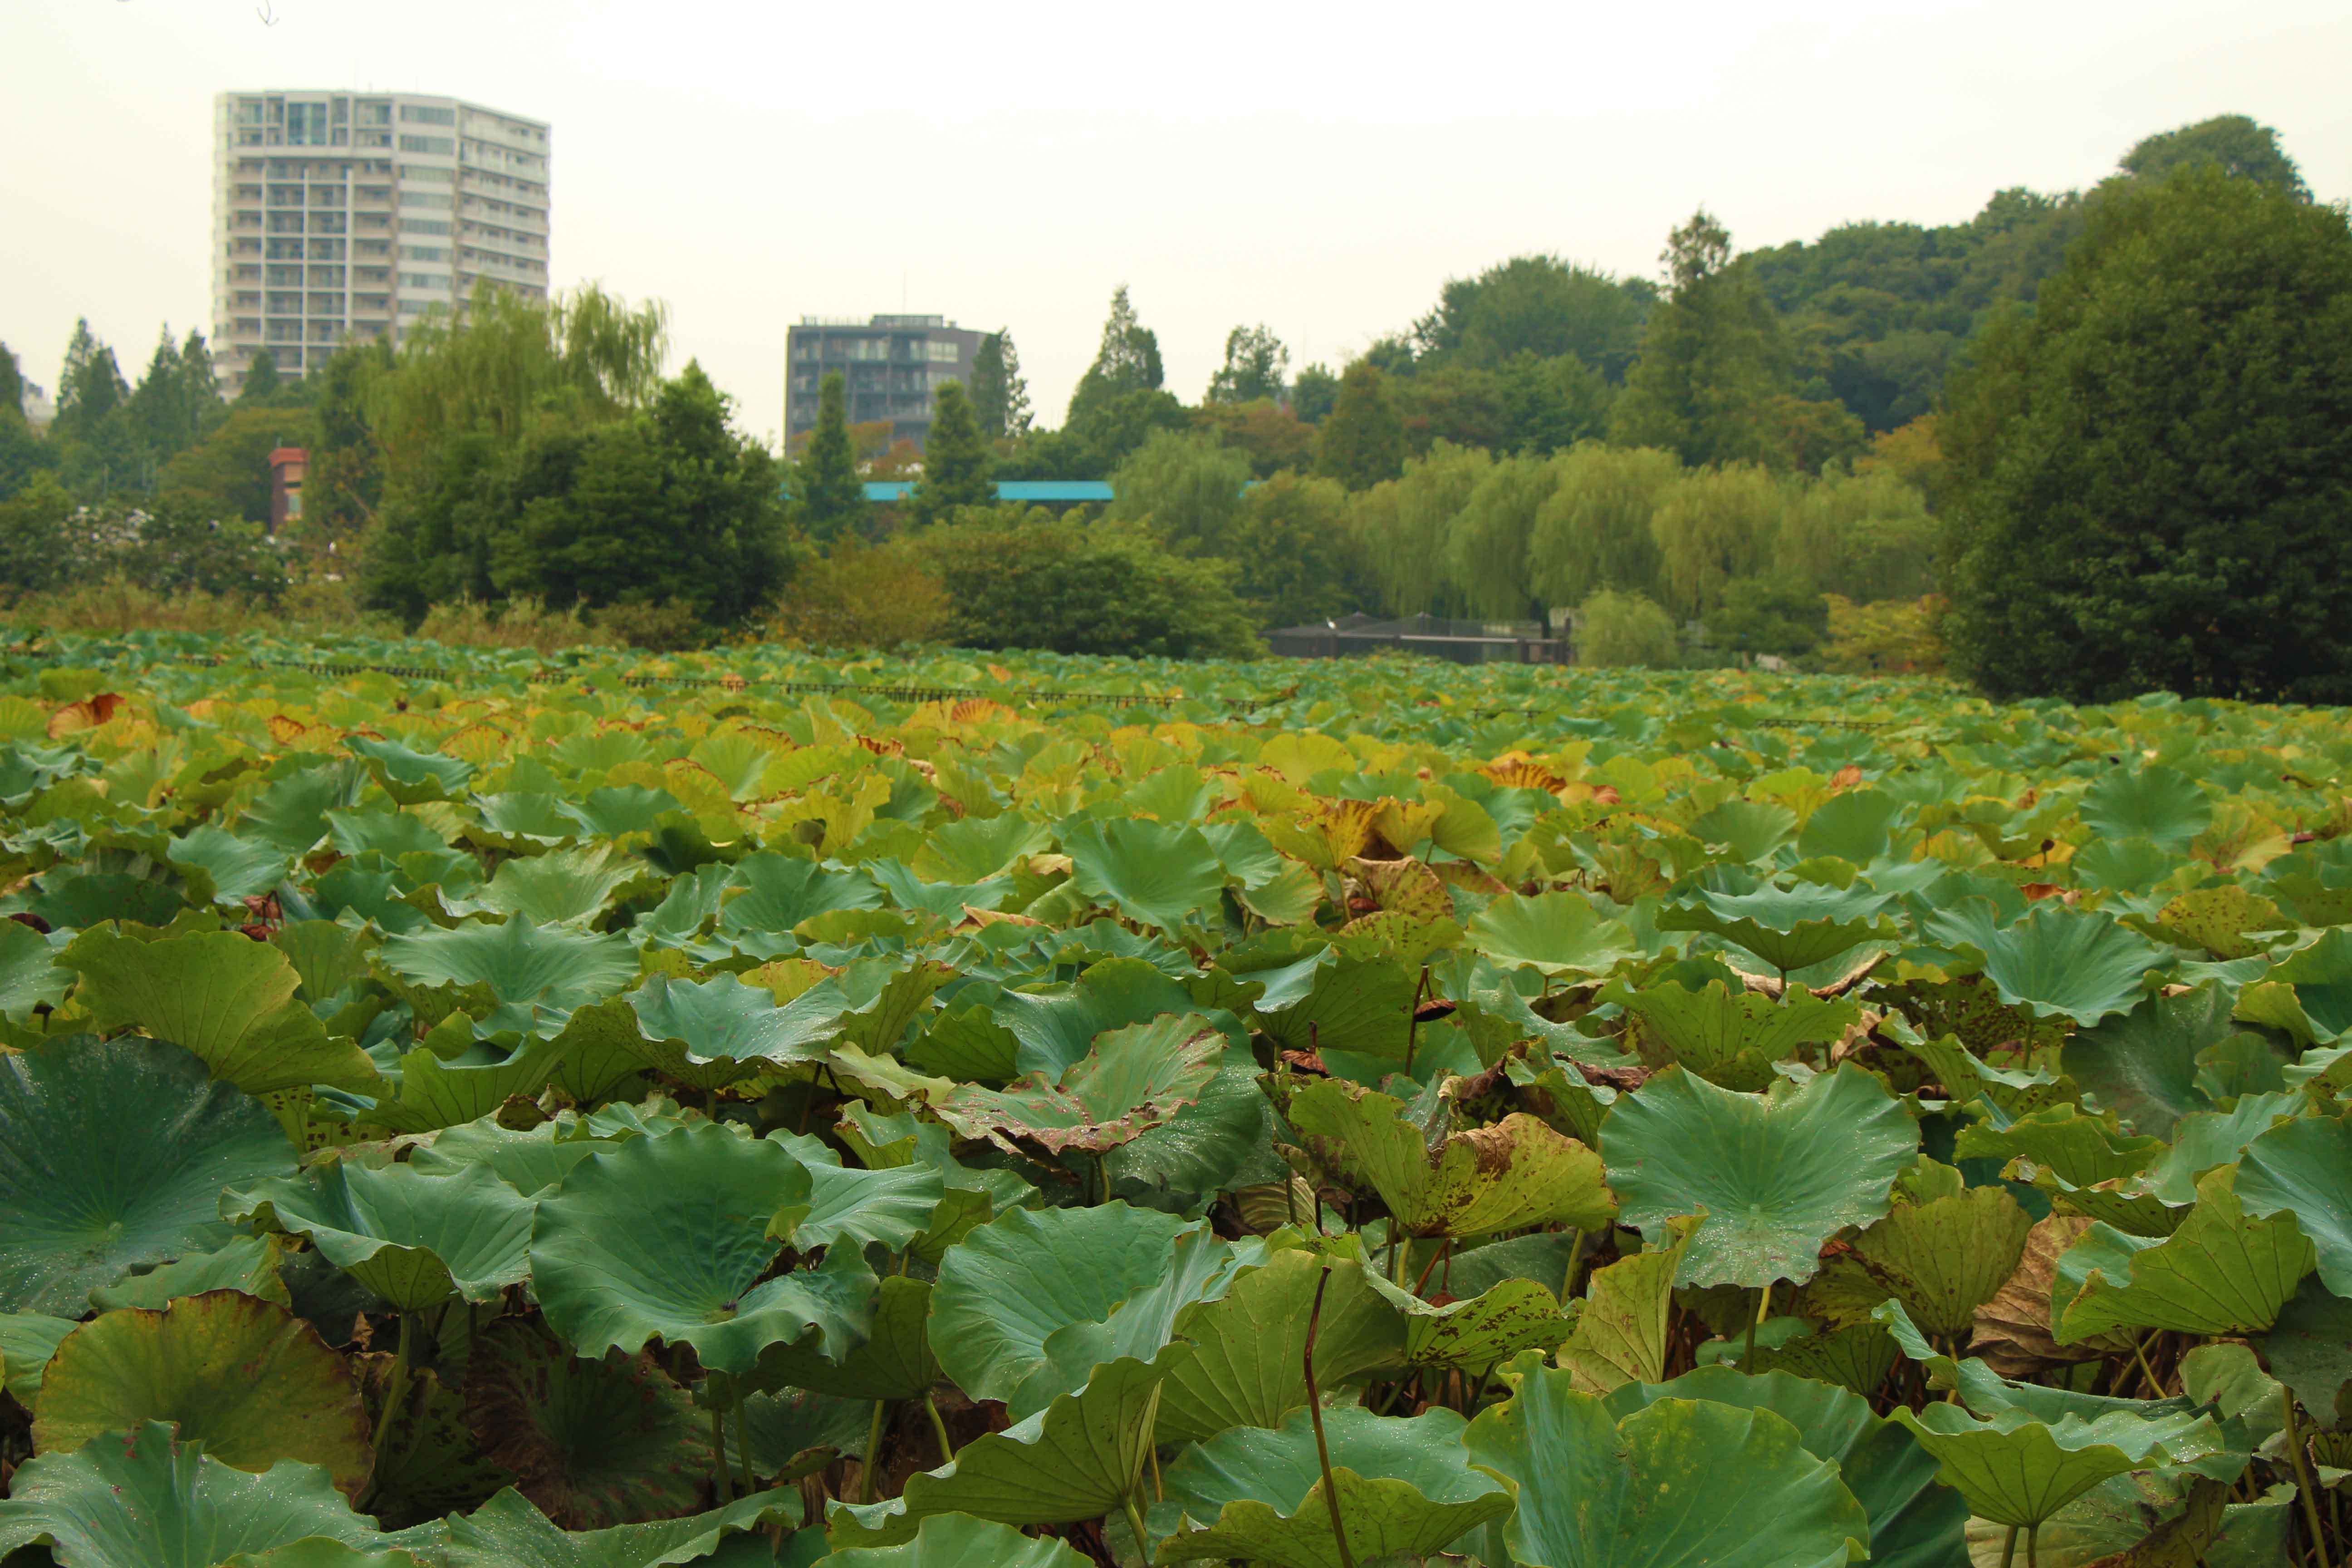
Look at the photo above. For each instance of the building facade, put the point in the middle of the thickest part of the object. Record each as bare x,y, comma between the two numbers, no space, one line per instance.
891,367
341,215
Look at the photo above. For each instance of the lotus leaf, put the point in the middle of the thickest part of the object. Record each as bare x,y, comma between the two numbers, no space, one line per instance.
2143,1065
723,1020
1945,1259
412,1237
1750,830
1402,1488
955,1541
29,979
115,1160
536,974
1914,1520
2310,1347
1133,1079
667,1237
590,1442
507,1533
2017,1470
2059,962
228,1000
1621,1335
247,1378
1680,1481
248,1264
1776,1173
436,1091
894,1363
145,1497
28,1341
1789,927
1558,935
2304,1168
1156,873
411,776
1515,1173
2224,1271
563,887
1248,1365
1728,1038
2155,803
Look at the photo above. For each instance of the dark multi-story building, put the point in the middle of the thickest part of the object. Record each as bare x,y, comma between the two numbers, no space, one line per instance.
891,367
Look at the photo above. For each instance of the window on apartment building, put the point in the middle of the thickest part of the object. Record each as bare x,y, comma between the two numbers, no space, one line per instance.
282,276
327,223
424,253
427,172
285,223
438,199
425,280
329,195
423,226
248,112
425,114
305,124
942,352
442,144
375,114
327,250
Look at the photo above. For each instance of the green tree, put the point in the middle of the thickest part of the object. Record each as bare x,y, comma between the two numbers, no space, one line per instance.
1105,433
1362,442
832,496
1865,537
957,461
2149,477
2239,144
1486,554
1712,527
343,486
89,389
1256,365
1768,616
1550,404
227,474
1000,398
1403,525
1188,486
1593,532
37,548
1074,587
1313,393
1536,305
11,388
1615,630
1294,555
670,506
1127,361
1712,357
260,378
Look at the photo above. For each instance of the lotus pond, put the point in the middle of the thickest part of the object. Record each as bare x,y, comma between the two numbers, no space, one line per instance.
463,1109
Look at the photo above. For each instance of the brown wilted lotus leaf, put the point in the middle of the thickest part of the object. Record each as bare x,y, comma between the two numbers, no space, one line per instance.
2013,1329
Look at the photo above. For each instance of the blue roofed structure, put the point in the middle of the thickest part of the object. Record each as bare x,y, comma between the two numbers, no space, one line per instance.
1035,492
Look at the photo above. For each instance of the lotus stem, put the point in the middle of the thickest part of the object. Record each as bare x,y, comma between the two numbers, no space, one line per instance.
2303,1478
1413,1018
1315,1413
2140,1354
394,1386
2009,1547
1575,1257
719,1453
938,1429
2033,1539
873,1450
1763,1305
1159,1488
1135,1524
743,1444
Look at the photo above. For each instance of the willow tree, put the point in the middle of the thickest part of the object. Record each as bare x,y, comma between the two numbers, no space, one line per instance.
1404,524
1865,536
1712,528
1592,531
587,355
1486,548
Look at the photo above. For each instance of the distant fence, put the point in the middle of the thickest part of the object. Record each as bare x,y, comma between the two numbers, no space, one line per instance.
1463,641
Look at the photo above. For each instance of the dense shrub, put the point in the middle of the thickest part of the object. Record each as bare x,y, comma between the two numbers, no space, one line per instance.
863,596
1076,587
1613,629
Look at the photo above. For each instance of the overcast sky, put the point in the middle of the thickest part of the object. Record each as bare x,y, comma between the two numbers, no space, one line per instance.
1322,169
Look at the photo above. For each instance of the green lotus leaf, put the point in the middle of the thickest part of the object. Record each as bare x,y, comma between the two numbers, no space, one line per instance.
2309,992
1750,829
116,1155
1222,1140
507,1533
428,1463
2223,1272
391,833
1132,1080
411,776
890,1207
723,1020
1511,1175
894,1363
436,1091
1054,1027
1248,1365
1789,928
2310,1346
1680,1482
321,1552
1011,1284
1402,1486
2080,1149
667,1238
1945,1259
968,1198
1344,1001
2058,963
1967,1079
248,1264
1481,1331
1728,1038
1081,1457
532,1163
616,811
2304,1168
599,1052
28,1341
328,959
291,814
237,868
2143,1065
1856,1357
590,1441
1165,875
143,1498
2204,1138
521,819
1556,934
2217,919
1495,1016
537,974
779,891
562,887
1853,826
2016,1469
958,1541
1777,1173
1621,1335
29,977
247,1378
227,998
1914,1521
2154,803
974,848
412,1237
948,900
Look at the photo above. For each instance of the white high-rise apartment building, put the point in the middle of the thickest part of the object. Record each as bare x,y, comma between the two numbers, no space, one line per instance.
341,215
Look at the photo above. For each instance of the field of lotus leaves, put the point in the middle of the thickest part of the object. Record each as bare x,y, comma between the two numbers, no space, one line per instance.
460,1109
